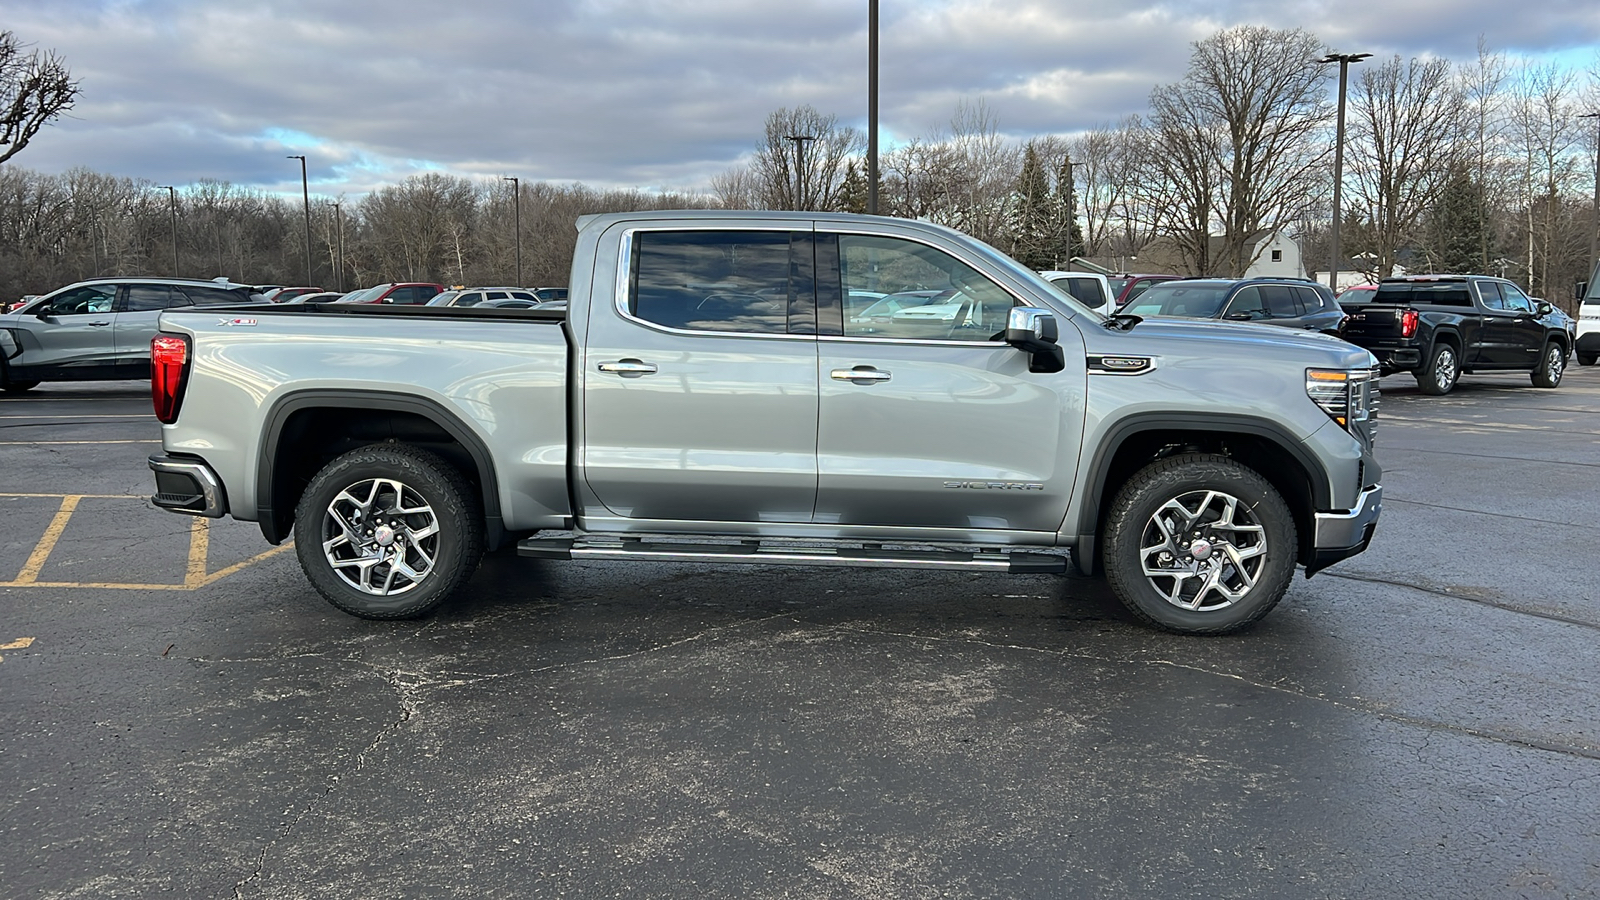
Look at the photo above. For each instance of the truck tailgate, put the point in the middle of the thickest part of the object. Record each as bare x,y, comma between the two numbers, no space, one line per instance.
1373,322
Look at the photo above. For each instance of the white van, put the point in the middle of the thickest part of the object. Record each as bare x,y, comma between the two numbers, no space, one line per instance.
1089,288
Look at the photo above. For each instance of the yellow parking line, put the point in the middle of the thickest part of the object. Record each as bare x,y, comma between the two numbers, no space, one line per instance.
195,575
41,550
80,496
18,644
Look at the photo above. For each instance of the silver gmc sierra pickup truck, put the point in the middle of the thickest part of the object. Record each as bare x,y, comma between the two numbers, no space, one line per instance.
729,387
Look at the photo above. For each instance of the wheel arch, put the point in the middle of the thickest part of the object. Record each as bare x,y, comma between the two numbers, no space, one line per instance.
321,424
1260,444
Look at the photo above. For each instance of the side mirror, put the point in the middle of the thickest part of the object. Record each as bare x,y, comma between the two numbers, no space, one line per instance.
1544,308
1034,331
1583,288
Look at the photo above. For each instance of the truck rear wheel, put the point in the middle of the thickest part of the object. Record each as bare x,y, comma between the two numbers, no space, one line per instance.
1552,363
1198,544
388,531
1442,371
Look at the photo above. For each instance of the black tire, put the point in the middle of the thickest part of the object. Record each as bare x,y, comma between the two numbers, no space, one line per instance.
1552,364
1588,359
17,387
1442,372
1246,566
429,515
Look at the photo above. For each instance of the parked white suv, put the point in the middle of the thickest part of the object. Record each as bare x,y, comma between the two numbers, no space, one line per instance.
1089,288
1587,339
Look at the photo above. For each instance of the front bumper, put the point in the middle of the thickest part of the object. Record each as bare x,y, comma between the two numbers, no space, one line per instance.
1588,342
1341,535
188,486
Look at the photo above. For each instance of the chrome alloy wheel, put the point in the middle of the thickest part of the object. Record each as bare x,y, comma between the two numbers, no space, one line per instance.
1555,362
1203,550
1444,368
380,537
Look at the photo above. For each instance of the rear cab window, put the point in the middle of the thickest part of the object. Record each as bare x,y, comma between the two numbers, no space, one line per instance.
1423,293
719,281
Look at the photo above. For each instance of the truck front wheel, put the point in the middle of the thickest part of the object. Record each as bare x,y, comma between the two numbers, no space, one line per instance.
1442,371
1199,544
388,531
1552,363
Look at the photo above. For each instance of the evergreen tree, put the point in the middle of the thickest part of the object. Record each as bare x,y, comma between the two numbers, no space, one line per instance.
1456,228
852,195
1033,223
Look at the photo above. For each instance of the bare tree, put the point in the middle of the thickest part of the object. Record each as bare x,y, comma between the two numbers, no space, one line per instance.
1545,131
35,88
801,158
1407,134
1243,128
1481,84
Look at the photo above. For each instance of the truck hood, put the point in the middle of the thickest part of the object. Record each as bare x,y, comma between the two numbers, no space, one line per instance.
1171,336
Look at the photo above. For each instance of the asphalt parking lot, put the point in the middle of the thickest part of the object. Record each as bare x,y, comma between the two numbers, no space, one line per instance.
182,713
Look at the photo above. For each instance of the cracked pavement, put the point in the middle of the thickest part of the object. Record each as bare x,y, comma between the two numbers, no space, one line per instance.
1419,721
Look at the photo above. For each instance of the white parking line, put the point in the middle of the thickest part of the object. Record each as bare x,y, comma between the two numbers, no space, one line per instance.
106,416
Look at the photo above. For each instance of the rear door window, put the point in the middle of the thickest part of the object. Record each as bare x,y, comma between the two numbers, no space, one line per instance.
728,281
146,298
1282,302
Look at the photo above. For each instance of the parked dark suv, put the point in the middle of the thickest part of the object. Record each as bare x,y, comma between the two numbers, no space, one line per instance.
96,330
1289,302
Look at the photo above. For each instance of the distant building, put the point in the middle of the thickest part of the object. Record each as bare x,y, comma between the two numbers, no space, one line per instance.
1272,254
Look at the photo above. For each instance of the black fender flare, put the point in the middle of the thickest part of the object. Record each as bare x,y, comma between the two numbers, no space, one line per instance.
1088,525
289,404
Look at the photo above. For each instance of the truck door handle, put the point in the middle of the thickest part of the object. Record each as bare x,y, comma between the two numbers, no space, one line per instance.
859,375
98,324
628,368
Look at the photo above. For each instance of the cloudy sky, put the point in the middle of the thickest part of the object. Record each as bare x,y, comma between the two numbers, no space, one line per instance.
657,94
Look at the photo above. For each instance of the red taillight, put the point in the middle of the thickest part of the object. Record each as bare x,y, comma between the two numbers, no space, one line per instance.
169,358
1408,323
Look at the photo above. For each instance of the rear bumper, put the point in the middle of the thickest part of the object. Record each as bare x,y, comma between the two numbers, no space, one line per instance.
188,486
1397,359
1341,535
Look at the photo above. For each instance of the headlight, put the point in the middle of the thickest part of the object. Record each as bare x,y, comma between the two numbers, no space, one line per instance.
1348,397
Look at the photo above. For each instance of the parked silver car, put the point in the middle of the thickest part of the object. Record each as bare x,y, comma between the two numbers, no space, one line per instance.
476,296
96,330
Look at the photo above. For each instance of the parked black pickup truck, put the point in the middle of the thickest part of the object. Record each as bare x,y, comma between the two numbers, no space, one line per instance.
1439,327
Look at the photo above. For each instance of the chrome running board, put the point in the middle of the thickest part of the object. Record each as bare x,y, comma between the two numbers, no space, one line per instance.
757,553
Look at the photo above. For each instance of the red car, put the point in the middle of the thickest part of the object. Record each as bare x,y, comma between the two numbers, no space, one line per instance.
1127,287
413,293
1361,293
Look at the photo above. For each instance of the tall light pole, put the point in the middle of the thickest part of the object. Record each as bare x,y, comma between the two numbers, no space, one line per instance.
800,166
338,231
872,107
305,194
516,199
1594,233
1344,60
1072,208
172,206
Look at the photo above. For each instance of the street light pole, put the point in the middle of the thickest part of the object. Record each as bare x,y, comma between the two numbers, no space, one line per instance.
1344,60
800,166
305,194
872,107
1594,233
172,206
338,231
516,191
1072,207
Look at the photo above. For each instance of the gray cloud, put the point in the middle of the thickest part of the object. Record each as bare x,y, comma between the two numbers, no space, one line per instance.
653,93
